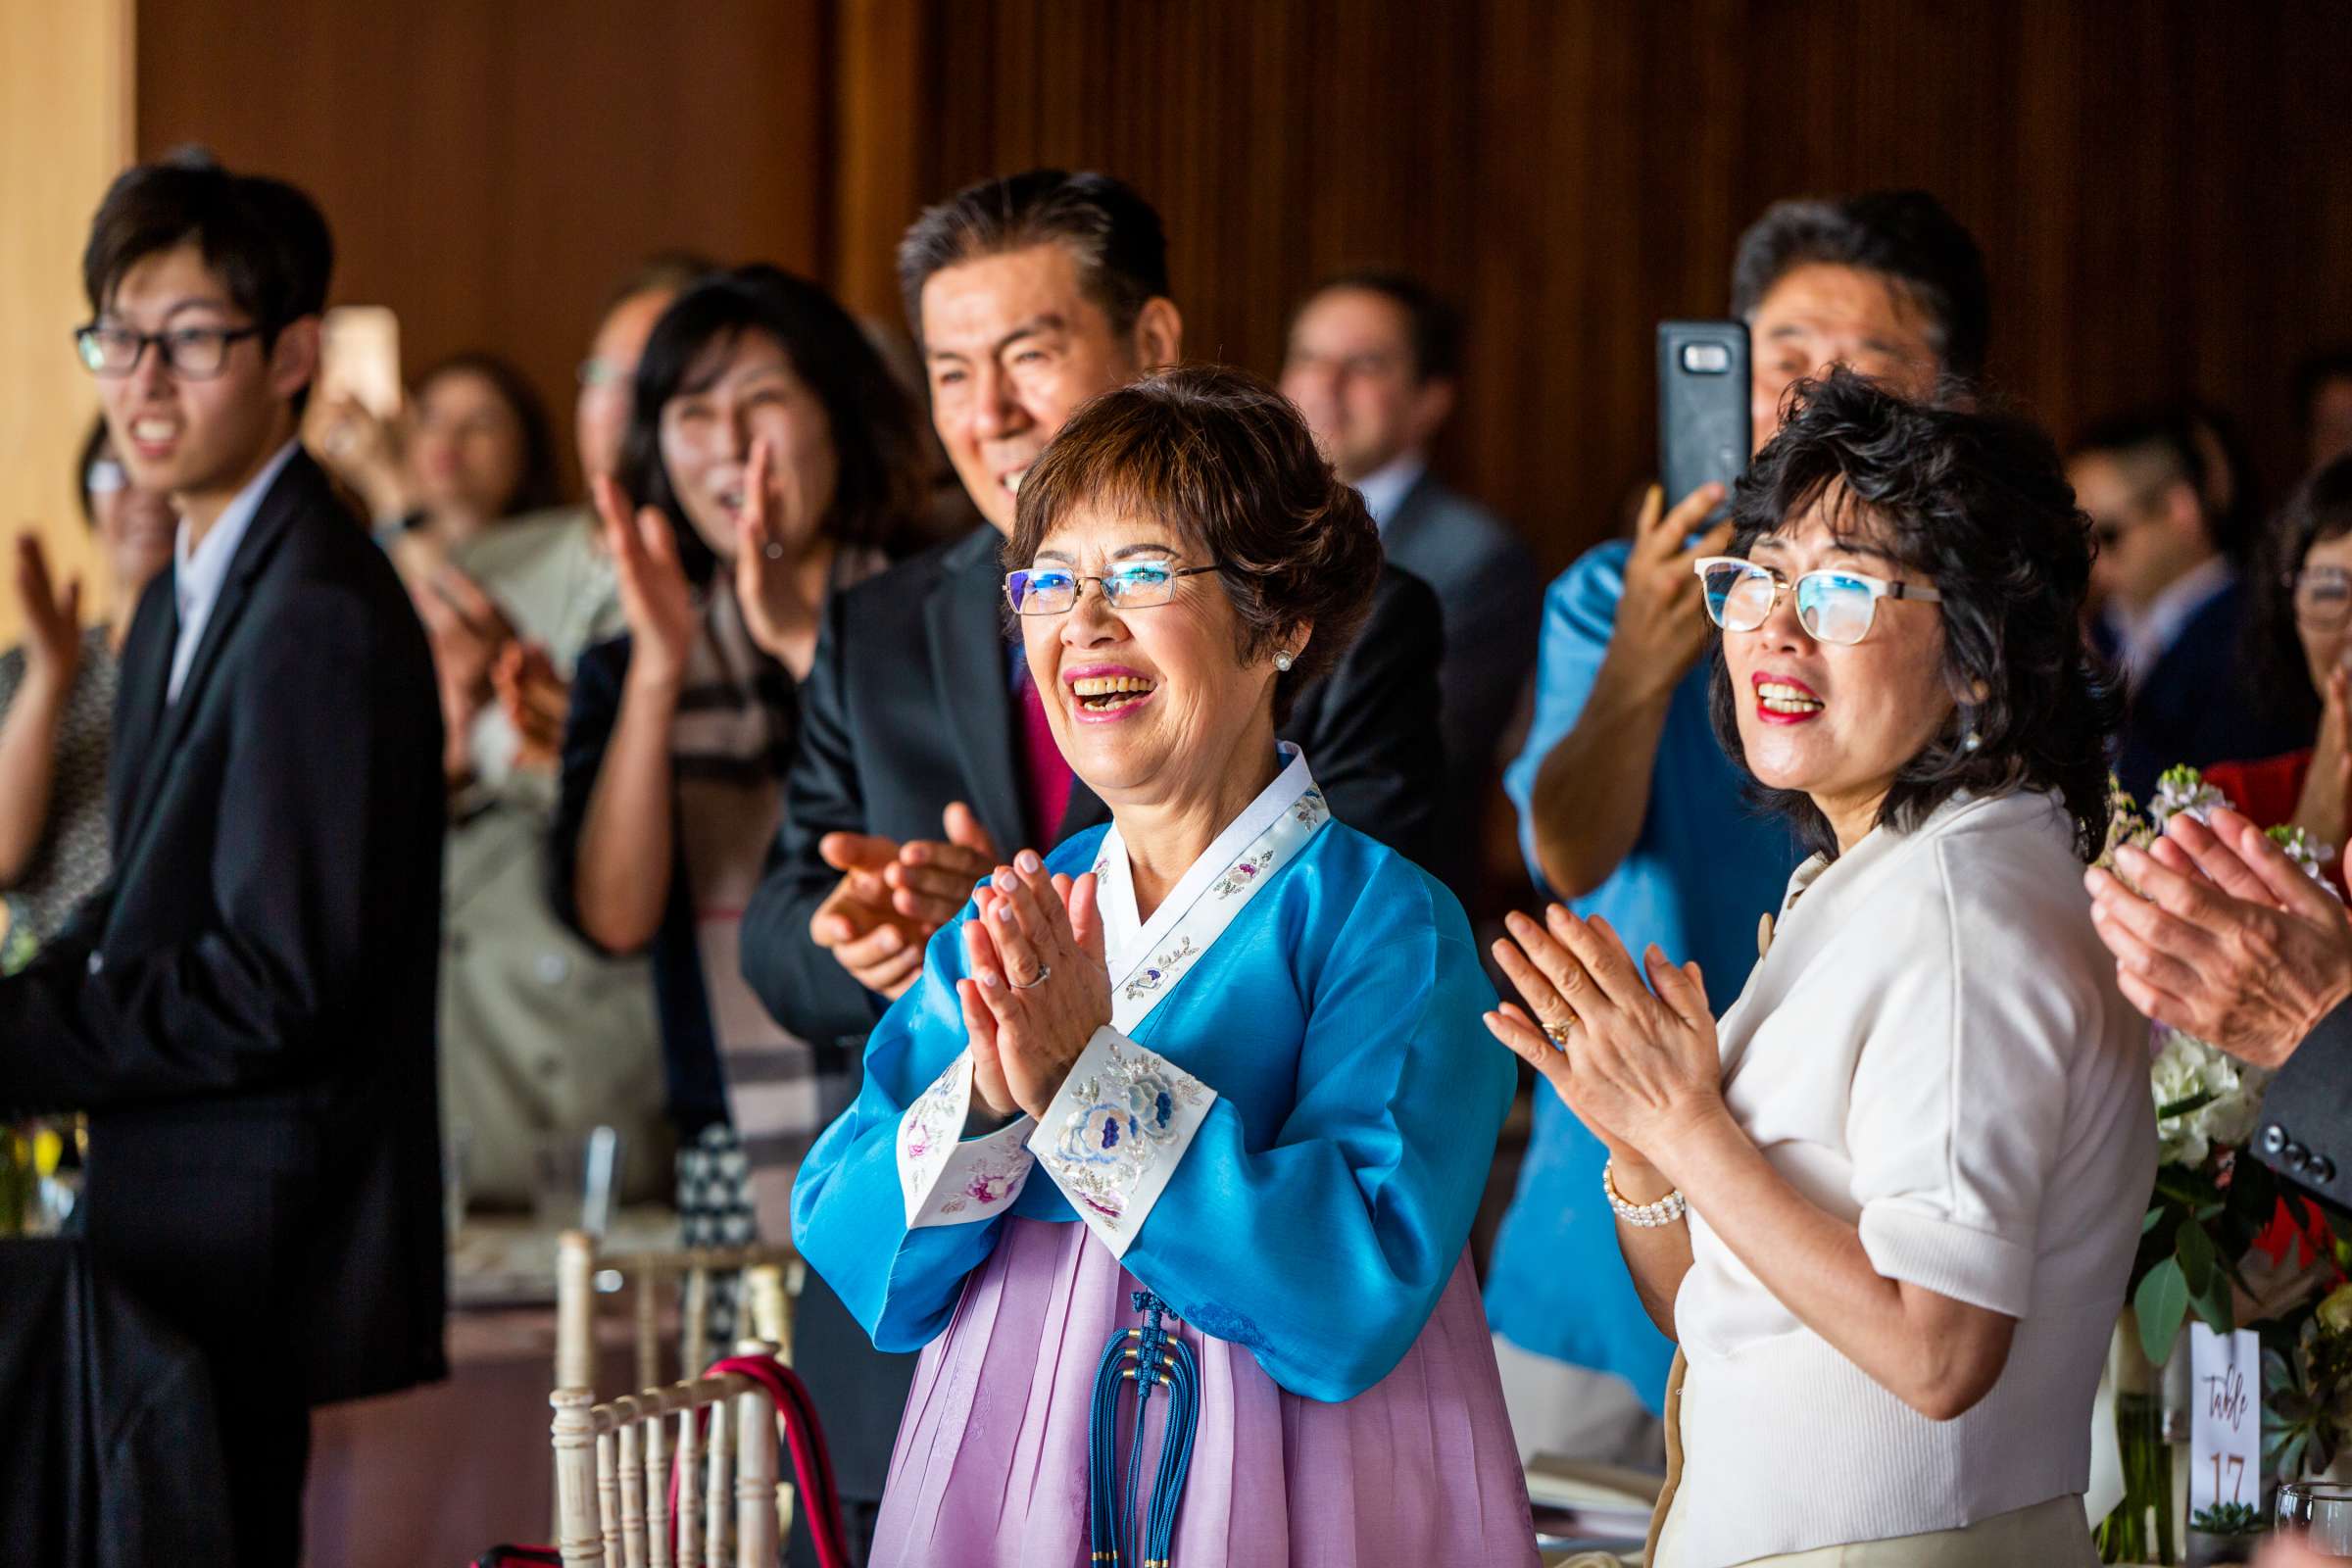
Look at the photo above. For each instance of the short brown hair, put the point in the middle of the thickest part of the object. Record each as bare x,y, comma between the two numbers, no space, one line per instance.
1226,460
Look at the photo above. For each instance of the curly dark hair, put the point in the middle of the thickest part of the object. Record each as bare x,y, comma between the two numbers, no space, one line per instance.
1977,502
2320,509
1227,461
875,441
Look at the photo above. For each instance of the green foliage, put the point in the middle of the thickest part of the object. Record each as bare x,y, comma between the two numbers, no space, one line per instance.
2229,1519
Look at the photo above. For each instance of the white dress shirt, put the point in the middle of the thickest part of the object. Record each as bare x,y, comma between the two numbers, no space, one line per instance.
199,570
1933,1048
1384,489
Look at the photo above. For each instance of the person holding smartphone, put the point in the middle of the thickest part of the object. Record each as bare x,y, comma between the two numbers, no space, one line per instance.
1628,807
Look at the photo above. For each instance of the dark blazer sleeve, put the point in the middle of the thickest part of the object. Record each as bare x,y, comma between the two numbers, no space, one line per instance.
798,982
1370,728
2305,1131
1489,652
82,1028
596,687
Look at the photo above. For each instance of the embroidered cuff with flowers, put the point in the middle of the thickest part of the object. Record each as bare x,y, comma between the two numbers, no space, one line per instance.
1113,1134
947,1178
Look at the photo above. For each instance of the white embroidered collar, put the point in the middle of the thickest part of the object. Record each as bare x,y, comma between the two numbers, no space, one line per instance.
1126,938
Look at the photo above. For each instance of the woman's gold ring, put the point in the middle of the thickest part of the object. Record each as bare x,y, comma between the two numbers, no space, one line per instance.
1559,1033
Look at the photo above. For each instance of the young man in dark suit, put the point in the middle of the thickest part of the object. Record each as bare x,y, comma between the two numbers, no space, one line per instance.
245,1008
923,754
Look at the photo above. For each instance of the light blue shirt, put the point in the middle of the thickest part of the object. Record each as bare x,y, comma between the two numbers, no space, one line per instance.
1702,871
199,571
1384,489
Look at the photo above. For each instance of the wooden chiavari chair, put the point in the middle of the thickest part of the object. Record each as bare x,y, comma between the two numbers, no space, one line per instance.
770,1277
616,1463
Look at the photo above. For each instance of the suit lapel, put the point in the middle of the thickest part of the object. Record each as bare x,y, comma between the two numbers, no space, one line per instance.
1407,520
139,701
270,521
971,681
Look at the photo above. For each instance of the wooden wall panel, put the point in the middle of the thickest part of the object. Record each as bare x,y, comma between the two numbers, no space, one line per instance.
2160,186
65,129
489,168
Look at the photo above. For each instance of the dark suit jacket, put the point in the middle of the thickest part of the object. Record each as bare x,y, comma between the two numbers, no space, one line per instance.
908,707
245,1008
2305,1131
2197,706
1493,599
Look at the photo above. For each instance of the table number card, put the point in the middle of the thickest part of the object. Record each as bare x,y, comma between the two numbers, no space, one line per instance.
2224,1439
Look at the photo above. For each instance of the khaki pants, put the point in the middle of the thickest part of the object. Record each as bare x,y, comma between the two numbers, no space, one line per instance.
2048,1535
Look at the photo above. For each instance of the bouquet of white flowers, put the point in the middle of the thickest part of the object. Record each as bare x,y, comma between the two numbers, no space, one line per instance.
2209,1203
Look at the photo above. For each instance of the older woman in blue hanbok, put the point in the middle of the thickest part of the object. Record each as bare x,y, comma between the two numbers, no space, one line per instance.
1195,1106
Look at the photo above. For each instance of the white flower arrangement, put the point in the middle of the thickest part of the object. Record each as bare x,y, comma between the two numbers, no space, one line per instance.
2204,1099
2184,792
2212,1099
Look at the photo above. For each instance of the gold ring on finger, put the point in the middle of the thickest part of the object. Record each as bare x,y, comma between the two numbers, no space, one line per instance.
1557,1033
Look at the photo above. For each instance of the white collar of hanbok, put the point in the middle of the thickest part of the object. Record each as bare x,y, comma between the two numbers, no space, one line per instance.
1145,958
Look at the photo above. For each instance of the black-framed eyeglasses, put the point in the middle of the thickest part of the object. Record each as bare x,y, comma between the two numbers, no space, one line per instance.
2323,596
198,353
1053,590
1833,605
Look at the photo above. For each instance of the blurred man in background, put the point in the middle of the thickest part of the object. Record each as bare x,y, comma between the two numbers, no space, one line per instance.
1375,364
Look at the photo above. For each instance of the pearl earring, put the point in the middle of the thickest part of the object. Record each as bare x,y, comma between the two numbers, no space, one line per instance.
1284,660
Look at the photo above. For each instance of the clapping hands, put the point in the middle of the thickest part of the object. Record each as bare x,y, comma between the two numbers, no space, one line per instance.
1639,1069
654,596
892,896
770,534
1039,986
52,620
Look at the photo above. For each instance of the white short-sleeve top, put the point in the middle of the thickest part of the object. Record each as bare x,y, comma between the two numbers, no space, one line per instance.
1934,1049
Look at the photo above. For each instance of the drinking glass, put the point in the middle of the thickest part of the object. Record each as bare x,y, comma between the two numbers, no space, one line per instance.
2321,1513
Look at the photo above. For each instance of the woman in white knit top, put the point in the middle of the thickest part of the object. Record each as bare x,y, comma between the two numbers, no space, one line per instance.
1888,1205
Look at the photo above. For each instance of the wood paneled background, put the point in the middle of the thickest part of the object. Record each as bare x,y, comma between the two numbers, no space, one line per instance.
2163,188
65,129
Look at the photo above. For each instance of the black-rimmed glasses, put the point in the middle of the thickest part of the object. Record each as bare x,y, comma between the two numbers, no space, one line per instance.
198,353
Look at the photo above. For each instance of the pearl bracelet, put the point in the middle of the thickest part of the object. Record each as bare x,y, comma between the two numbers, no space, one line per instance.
1646,1216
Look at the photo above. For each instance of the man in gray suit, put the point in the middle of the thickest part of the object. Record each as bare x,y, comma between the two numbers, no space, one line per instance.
1374,363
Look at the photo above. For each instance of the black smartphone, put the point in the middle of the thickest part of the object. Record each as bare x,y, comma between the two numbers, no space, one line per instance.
1702,407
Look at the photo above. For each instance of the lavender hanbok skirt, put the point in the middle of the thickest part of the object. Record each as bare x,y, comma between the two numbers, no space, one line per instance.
991,1463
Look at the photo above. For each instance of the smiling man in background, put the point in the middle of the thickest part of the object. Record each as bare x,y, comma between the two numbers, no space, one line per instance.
1375,364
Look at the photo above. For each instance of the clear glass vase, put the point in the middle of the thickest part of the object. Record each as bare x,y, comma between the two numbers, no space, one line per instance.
2142,1528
